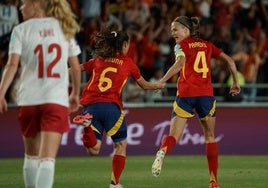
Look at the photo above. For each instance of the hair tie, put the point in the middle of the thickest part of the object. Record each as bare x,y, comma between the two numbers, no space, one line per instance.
114,33
184,24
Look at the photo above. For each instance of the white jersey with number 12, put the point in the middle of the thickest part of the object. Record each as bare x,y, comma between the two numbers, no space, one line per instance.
44,53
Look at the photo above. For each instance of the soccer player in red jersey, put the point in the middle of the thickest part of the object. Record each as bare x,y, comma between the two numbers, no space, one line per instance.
109,72
194,90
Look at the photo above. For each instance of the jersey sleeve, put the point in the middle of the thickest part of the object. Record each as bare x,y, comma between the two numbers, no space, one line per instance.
74,49
178,51
135,71
88,66
15,43
215,51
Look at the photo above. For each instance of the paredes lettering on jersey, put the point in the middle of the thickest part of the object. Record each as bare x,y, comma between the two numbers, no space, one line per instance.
197,45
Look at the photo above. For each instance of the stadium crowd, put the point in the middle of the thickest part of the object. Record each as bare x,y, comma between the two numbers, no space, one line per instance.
239,27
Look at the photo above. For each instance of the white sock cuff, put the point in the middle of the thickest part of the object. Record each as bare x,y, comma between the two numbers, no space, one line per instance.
31,156
31,161
48,159
47,163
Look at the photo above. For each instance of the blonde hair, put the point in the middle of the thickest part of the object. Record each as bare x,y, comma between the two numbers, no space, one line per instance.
61,10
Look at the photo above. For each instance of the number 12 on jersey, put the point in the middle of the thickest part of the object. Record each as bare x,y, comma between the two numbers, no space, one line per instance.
48,72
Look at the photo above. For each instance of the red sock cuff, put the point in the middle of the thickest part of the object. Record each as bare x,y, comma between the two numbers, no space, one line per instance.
212,149
89,138
168,143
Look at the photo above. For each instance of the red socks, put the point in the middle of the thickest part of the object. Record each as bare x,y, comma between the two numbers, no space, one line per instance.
212,158
89,138
168,143
211,151
118,165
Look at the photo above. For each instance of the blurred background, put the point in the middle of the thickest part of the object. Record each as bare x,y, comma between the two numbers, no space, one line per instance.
238,27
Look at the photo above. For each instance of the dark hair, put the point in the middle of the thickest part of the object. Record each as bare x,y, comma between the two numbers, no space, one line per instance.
191,23
109,42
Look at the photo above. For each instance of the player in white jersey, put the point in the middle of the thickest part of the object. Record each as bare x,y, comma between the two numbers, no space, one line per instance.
41,47
48,48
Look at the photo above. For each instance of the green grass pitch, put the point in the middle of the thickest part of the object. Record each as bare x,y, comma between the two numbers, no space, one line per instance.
178,172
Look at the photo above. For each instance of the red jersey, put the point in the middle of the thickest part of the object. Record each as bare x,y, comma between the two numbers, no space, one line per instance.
195,76
108,77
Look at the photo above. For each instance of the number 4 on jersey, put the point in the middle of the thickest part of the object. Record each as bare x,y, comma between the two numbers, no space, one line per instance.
200,64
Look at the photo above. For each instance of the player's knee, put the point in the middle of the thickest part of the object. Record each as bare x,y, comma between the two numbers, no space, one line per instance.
210,138
93,151
120,147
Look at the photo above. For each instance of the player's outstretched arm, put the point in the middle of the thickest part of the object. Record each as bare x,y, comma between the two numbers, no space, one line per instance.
148,85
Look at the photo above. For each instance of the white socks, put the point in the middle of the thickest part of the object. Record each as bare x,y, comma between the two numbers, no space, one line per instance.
30,167
45,173
38,173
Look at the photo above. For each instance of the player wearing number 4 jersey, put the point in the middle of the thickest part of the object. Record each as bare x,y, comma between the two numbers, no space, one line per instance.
41,48
195,91
109,72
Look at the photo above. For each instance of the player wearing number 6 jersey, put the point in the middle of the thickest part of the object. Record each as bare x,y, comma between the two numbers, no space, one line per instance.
195,91
41,48
109,72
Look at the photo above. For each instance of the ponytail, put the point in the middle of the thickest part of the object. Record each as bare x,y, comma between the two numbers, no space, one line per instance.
61,10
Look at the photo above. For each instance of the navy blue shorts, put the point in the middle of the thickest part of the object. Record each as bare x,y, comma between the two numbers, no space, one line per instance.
108,118
186,107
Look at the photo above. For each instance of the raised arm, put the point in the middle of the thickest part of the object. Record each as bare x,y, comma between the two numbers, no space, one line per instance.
174,69
148,85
